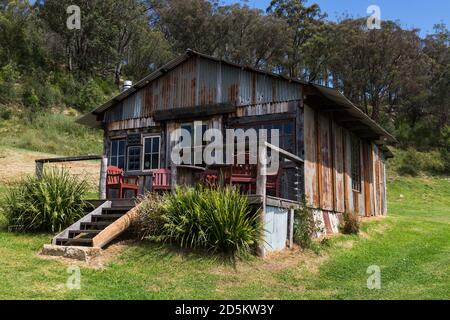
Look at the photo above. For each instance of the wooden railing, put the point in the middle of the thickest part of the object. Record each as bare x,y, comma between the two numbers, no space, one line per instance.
103,168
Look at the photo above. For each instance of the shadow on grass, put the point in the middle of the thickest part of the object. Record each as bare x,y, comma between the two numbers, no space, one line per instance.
143,250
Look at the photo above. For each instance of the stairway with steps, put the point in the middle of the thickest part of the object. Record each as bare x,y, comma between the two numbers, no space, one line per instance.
83,232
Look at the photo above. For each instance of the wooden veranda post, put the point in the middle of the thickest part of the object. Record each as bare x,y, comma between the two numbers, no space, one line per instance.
39,169
103,176
261,181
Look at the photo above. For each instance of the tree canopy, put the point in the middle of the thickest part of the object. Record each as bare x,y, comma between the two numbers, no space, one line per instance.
398,78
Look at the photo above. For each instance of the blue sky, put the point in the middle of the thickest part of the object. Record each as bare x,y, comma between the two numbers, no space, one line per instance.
411,13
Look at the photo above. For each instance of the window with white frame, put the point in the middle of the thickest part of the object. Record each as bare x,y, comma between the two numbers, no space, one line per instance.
134,158
152,147
117,153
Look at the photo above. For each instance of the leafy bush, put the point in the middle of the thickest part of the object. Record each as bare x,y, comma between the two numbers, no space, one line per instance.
412,162
218,219
8,76
351,223
90,96
305,227
48,204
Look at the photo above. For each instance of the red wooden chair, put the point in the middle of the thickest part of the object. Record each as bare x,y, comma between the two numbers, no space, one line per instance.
115,180
161,180
243,175
209,177
273,183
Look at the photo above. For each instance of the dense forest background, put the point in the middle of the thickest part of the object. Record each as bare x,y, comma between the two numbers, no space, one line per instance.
398,78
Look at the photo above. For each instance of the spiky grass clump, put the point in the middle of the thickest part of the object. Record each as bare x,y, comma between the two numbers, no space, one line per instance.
218,219
50,203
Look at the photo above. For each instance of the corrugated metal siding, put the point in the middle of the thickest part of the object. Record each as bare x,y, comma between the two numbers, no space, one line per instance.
328,181
311,179
326,164
209,72
276,226
200,81
338,159
230,88
348,192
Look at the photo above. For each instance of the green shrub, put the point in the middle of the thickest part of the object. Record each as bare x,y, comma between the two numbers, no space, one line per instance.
351,223
48,204
90,96
411,163
8,77
305,227
218,219
6,114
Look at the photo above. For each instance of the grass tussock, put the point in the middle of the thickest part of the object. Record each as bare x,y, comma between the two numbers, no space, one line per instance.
48,204
216,219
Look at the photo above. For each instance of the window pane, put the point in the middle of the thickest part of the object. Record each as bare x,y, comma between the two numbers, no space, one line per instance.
155,161
114,148
147,162
134,158
121,147
148,145
288,128
155,147
120,162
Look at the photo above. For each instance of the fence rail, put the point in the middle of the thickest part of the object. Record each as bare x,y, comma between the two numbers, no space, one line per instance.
103,168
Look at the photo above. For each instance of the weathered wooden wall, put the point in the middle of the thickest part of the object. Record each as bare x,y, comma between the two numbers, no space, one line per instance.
328,180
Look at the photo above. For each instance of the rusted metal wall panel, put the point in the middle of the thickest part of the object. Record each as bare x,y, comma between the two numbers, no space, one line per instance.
209,72
348,193
246,87
200,81
264,88
327,184
338,156
287,91
376,180
368,179
383,186
230,88
360,196
311,179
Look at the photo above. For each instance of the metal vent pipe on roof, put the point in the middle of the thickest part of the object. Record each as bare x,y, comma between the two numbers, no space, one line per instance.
127,84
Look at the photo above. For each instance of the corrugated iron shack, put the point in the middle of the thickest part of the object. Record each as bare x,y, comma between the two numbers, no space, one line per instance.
343,151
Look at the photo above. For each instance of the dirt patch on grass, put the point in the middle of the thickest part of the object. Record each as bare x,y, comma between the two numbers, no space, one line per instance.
17,163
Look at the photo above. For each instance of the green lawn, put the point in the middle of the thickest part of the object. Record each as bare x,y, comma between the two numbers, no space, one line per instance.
411,247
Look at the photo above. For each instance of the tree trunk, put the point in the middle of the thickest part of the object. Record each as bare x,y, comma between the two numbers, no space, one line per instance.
118,73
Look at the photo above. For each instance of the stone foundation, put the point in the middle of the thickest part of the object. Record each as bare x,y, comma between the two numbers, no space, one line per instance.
77,253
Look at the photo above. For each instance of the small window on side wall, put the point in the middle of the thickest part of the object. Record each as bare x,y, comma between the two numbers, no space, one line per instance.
134,159
151,152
